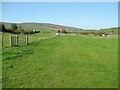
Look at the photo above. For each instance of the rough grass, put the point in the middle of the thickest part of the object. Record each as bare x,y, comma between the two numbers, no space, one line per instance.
63,62
22,38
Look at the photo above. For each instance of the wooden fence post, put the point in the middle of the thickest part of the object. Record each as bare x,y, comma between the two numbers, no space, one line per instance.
17,40
26,39
10,36
29,39
2,41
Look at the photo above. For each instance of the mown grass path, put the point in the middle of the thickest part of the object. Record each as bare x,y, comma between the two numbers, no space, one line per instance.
64,62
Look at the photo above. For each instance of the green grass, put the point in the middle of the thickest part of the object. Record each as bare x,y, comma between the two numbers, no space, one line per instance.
22,38
113,30
63,62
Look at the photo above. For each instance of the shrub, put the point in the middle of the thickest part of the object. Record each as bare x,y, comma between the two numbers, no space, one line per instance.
64,31
58,31
14,26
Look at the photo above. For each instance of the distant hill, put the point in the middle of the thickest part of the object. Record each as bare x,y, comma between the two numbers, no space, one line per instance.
48,27
42,26
114,30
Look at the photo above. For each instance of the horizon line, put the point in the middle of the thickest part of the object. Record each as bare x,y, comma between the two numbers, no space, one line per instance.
59,24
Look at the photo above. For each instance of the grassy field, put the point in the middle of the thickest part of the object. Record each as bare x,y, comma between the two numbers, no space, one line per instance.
22,38
62,62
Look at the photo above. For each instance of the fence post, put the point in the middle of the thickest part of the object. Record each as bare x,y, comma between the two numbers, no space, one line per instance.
2,41
26,39
29,39
17,40
10,36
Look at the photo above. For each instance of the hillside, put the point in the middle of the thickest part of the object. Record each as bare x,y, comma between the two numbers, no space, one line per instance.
41,26
47,27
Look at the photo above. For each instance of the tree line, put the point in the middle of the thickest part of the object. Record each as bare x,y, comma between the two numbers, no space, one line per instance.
15,29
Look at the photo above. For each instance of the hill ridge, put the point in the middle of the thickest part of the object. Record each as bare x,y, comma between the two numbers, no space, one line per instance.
44,24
